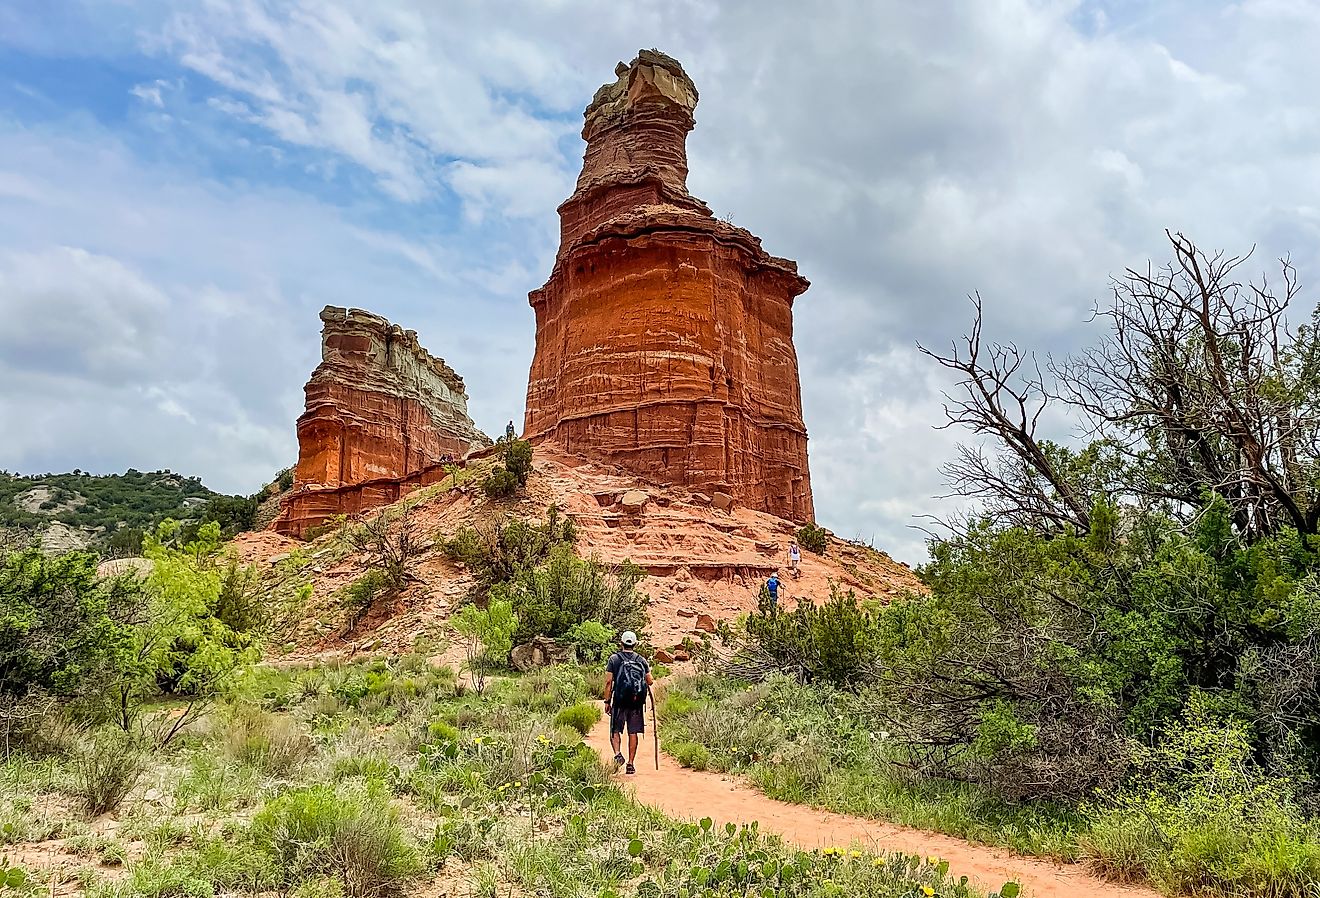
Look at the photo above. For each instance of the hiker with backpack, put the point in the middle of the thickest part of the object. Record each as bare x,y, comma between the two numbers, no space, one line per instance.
627,680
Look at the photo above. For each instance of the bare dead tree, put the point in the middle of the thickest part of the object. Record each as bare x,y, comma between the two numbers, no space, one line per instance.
391,547
1003,396
1205,388
1199,386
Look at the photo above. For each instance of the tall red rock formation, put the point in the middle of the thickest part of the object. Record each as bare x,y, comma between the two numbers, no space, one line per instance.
383,415
664,337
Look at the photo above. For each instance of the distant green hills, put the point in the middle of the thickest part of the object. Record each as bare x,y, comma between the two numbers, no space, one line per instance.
110,512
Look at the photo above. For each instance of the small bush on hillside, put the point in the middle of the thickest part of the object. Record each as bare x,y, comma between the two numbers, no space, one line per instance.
518,459
105,770
553,598
391,547
500,552
500,483
357,597
691,754
581,716
314,831
837,642
813,538
507,478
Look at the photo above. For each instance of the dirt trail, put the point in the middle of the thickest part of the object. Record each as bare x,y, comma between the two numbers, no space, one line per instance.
690,795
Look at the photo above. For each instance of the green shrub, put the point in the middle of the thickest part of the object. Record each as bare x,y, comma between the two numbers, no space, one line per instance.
59,630
105,770
593,641
358,596
555,597
691,754
440,731
500,483
837,642
314,831
1201,817
581,716
511,474
507,549
488,637
813,538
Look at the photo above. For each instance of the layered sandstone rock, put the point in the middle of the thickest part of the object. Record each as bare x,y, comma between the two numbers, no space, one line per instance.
664,337
383,416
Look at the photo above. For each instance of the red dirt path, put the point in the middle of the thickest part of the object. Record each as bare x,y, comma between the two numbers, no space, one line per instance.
689,795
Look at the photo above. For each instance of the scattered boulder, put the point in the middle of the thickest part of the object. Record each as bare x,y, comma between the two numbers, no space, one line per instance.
663,657
633,501
138,567
686,612
722,501
705,622
681,654
59,537
701,498
540,651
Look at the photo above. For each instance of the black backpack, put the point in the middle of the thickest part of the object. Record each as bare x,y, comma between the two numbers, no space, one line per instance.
630,681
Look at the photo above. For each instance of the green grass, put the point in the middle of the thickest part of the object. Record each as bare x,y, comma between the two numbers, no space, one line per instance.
809,746
397,776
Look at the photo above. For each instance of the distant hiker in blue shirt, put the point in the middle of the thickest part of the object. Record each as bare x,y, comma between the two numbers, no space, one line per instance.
509,433
772,587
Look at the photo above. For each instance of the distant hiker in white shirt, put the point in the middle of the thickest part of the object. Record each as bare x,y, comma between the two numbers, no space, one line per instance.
795,559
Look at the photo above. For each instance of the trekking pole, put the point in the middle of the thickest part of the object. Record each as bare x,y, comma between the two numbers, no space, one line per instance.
655,731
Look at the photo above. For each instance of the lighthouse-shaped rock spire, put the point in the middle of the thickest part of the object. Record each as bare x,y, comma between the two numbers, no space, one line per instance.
664,337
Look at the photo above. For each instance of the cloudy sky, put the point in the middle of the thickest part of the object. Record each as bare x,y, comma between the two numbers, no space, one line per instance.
183,185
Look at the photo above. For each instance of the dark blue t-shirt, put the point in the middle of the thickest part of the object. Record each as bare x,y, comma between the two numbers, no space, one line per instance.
773,586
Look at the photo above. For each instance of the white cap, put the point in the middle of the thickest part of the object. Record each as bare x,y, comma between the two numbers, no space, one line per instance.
628,638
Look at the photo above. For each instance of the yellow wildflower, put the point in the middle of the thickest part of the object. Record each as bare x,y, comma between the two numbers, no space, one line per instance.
927,891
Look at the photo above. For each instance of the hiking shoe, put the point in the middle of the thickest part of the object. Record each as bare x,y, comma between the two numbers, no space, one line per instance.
630,769
618,761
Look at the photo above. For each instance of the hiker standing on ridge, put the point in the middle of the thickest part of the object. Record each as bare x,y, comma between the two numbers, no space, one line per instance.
509,433
627,678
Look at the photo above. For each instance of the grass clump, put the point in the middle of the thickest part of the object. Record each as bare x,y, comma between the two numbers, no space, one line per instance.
272,743
581,717
105,770
691,754
314,831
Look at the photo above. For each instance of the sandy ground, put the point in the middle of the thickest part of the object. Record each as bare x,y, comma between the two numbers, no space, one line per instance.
690,795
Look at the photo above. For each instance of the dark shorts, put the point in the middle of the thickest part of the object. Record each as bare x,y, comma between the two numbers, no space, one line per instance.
633,717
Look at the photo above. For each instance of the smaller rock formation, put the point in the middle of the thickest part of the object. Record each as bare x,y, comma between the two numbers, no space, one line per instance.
383,417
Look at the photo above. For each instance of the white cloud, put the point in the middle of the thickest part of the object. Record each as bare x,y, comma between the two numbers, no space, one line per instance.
905,154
